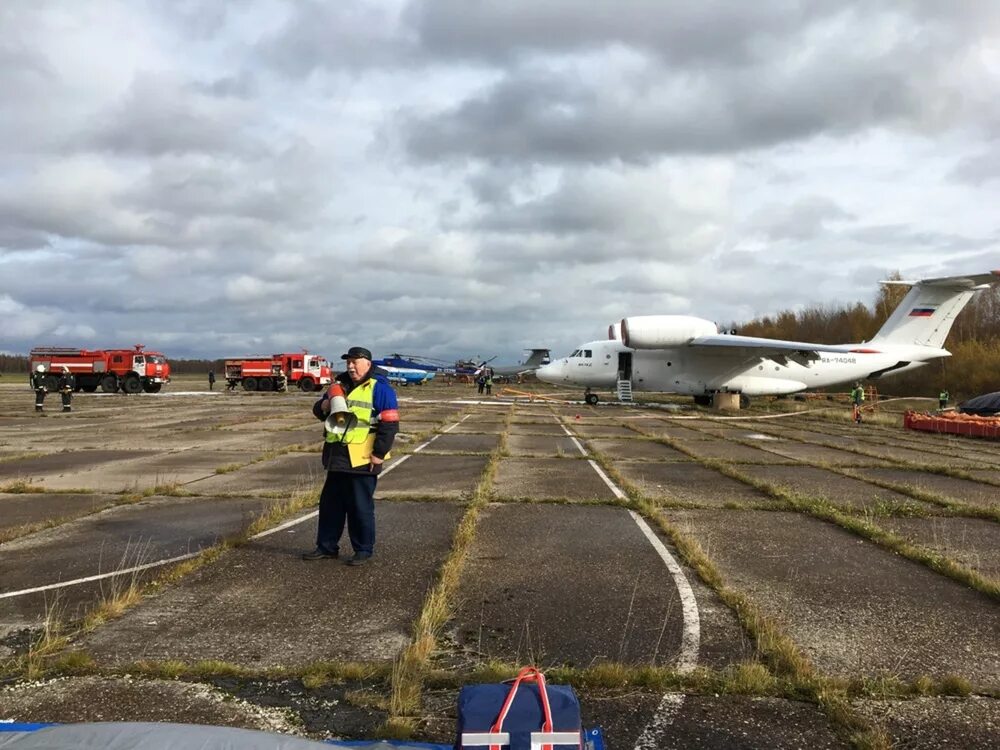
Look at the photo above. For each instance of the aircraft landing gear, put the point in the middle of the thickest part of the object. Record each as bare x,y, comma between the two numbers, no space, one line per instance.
744,401
703,399
590,398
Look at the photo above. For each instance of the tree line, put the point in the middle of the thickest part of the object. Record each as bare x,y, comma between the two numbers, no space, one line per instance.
974,341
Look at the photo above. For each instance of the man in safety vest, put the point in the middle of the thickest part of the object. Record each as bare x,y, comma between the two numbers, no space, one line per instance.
857,398
361,417
943,398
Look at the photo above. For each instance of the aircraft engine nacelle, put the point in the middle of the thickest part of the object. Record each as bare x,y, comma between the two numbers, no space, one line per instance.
664,331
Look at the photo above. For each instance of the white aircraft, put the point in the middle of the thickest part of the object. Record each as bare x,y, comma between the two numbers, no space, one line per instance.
683,354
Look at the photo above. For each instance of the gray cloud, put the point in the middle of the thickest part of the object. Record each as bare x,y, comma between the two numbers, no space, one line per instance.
687,86
801,219
979,169
160,116
714,33
337,36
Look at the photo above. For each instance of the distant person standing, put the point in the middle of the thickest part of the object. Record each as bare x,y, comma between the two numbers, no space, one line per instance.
489,382
353,457
857,398
211,380
67,383
481,382
38,383
943,398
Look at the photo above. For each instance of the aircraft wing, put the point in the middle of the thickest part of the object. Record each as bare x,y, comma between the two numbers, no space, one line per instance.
776,349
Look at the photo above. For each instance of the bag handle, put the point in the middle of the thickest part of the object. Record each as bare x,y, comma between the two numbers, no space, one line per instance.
527,674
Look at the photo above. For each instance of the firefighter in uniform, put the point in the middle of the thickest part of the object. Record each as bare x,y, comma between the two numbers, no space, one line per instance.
857,398
353,455
67,383
38,383
943,398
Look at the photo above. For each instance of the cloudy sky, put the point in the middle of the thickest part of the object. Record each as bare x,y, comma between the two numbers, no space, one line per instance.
462,177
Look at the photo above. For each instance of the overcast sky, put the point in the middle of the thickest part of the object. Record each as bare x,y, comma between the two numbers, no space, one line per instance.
458,177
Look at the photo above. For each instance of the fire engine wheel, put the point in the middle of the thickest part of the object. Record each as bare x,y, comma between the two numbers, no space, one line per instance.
306,384
249,384
132,384
90,388
152,387
109,384
266,384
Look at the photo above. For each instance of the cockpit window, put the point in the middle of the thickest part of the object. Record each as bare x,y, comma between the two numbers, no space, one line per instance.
587,353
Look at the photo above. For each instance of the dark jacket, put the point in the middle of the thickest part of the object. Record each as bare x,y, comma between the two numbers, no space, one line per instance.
384,406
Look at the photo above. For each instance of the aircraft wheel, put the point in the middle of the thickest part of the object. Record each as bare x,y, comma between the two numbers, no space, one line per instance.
744,401
591,398
703,399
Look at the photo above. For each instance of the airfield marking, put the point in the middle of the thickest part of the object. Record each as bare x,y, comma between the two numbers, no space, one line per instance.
662,718
691,635
99,576
687,660
147,566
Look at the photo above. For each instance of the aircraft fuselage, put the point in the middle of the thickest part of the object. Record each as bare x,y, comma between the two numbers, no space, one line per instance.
694,372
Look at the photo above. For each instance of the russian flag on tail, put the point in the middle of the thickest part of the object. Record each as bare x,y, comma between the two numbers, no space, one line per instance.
922,312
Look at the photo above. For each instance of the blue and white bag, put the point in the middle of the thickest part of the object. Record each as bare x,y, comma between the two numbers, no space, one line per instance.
523,715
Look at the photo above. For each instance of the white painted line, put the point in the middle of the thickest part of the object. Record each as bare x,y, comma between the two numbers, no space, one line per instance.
664,717
600,472
136,569
421,447
449,429
691,636
98,577
575,441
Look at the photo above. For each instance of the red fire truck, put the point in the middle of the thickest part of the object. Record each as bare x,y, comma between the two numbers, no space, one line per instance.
262,373
130,370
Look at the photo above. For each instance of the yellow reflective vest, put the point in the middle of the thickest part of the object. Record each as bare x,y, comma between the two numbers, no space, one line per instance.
359,403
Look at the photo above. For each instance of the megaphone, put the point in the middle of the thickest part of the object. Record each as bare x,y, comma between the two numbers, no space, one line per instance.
341,418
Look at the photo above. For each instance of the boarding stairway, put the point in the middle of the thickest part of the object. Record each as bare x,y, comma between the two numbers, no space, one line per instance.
624,390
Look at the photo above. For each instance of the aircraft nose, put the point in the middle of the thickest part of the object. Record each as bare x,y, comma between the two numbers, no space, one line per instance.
548,373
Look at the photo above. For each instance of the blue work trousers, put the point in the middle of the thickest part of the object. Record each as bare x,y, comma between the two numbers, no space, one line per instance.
351,498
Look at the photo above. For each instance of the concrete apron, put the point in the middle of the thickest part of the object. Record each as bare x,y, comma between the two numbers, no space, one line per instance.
568,585
263,606
550,478
687,483
853,608
136,474
117,539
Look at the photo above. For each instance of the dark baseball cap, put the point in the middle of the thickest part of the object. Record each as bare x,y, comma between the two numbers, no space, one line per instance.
357,352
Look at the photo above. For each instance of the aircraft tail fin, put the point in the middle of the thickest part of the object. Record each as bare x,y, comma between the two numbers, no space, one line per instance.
928,311
536,359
